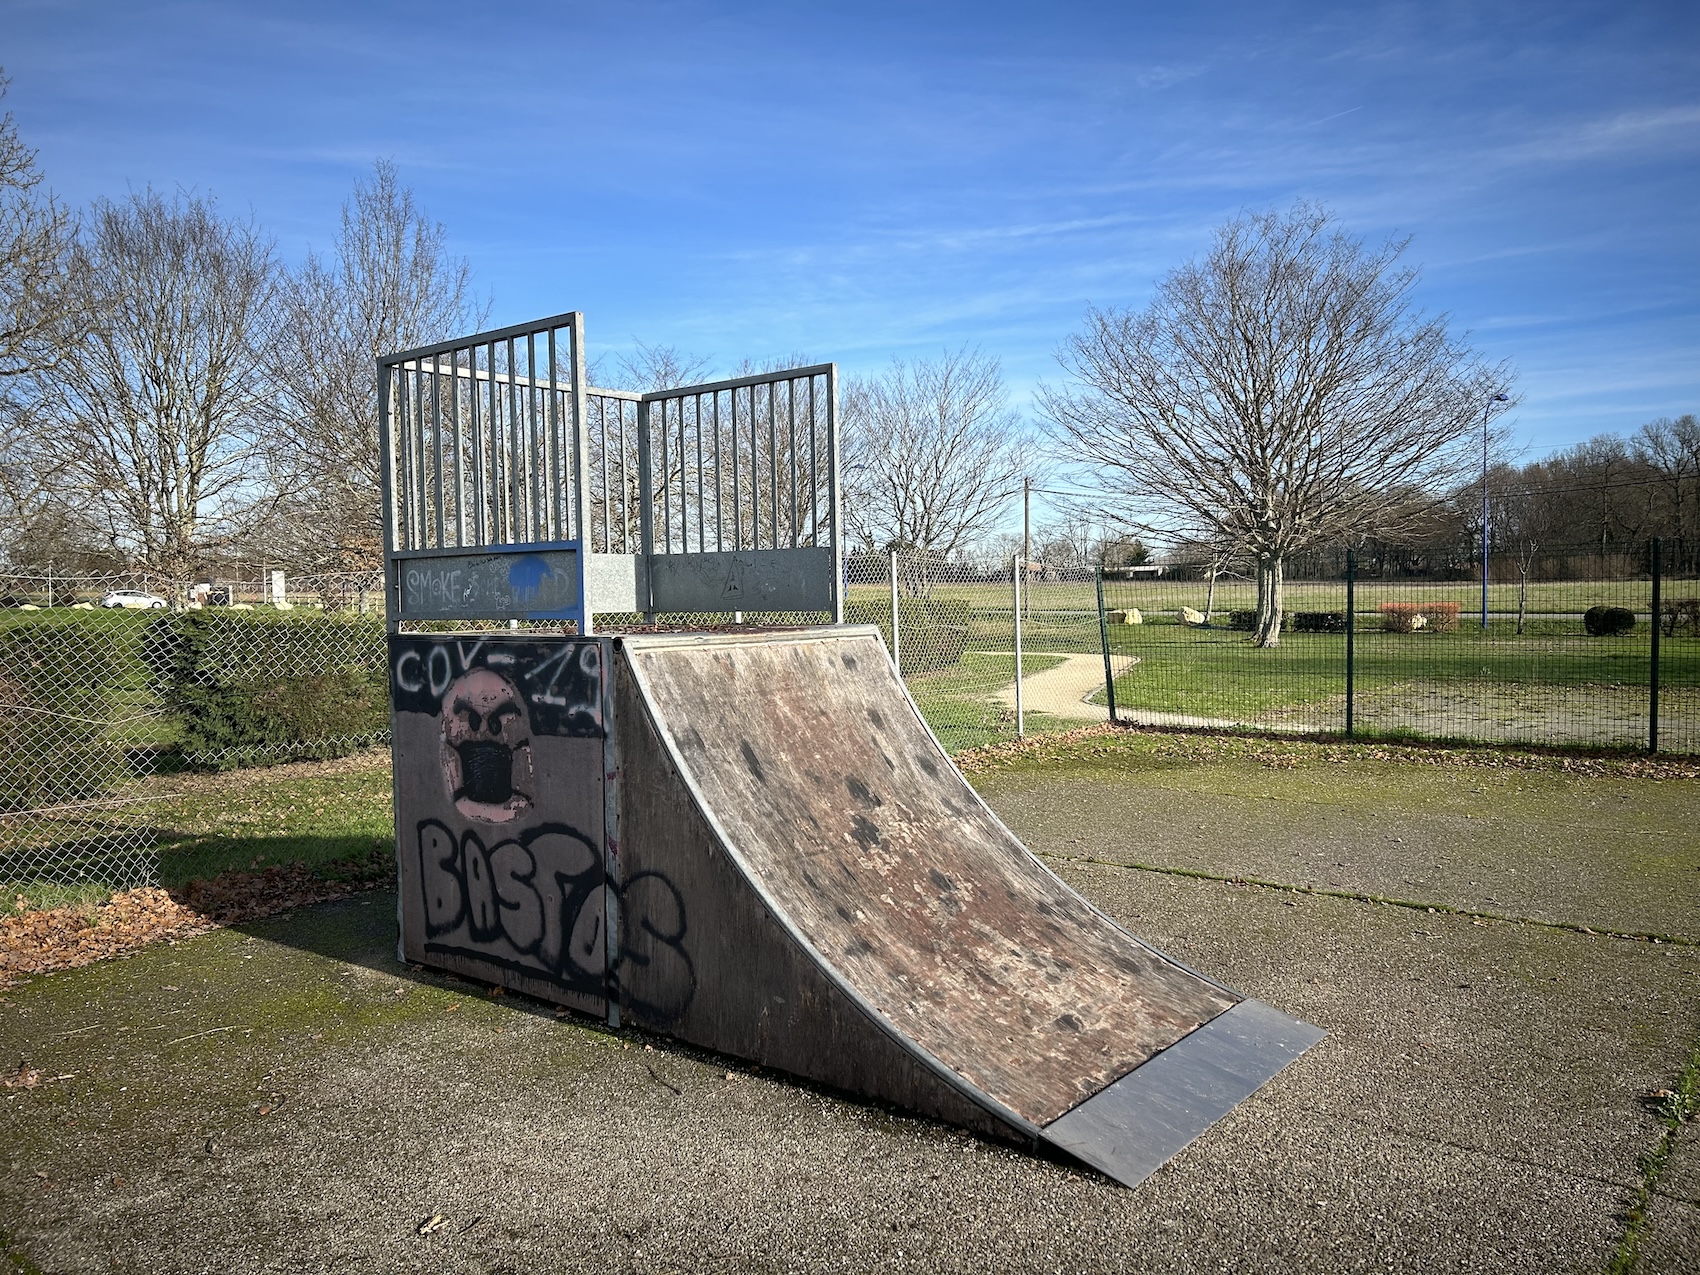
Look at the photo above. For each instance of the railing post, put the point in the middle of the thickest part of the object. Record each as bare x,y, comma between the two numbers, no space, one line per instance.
646,510
1351,636
1653,670
1104,641
896,640
1016,566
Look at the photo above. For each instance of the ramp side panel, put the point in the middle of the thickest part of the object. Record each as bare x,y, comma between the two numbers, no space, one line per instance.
838,800
497,746
704,960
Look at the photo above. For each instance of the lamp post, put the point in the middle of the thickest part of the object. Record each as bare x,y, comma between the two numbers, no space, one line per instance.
1487,411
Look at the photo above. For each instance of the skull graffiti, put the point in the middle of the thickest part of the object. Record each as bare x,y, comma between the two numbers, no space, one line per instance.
487,747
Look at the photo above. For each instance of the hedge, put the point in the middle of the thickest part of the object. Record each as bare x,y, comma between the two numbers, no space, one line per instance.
61,680
1319,622
1246,621
253,689
1603,621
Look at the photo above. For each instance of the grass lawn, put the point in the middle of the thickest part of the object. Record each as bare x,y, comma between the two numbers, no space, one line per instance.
1561,685
957,701
324,814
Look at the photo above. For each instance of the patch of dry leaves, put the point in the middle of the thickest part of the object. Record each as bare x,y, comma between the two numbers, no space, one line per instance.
66,937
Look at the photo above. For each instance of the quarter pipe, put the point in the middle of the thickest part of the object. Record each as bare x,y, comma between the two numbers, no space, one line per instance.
754,843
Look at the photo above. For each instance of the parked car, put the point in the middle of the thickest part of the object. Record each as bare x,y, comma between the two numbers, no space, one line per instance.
133,600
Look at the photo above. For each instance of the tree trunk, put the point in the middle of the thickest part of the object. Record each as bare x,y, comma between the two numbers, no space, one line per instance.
1210,595
1522,599
1269,576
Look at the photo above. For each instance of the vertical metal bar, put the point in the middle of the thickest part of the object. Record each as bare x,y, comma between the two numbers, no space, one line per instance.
684,485
539,467
719,484
1351,639
561,465
516,449
755,472
580,424
896,636
437,445
1104,641
702,505
403,452
625,481
459,466
1015,579
666,494
646,517
386,483
1653,669
834,515
814,474
421,536
607,522
791,445
772,466
498,470
480,523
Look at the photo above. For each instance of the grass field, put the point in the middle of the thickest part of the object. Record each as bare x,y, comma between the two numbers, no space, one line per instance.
1561,597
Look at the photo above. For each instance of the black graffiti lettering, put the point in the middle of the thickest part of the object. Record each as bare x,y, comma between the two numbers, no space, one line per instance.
511,871
534,903
484,918
658,976
439,878
568,869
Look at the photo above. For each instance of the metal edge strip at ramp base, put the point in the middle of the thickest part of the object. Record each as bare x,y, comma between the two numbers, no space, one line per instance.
1129,1124
1130,1129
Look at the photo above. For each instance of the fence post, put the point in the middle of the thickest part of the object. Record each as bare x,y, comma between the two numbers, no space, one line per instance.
1015,580
1653,670
1104,640
896,641
1351,636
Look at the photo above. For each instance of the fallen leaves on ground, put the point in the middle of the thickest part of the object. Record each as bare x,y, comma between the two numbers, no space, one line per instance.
23,1078
66,937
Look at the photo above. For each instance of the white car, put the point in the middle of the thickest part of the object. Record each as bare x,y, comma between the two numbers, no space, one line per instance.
133,600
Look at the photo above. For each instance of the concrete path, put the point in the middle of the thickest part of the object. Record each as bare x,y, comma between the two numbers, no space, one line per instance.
291,1098
1063,691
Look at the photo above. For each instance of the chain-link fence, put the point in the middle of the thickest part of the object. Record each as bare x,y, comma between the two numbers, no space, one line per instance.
100,708
1558,648
952,629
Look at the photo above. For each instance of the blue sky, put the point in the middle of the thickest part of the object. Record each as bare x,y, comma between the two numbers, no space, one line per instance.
857,181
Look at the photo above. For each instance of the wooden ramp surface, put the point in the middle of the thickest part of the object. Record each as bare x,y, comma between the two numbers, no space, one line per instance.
838,806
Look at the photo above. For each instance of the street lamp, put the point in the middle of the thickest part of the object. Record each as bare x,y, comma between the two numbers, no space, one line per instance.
1487,411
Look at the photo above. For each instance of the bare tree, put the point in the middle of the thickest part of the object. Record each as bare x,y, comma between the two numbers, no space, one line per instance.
150,424
1277,394
933,455
37,306
390,284
1670,449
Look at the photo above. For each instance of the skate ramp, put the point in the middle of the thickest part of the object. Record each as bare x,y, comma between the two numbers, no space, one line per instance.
826,894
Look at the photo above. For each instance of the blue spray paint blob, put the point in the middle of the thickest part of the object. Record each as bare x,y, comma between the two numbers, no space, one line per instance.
527,575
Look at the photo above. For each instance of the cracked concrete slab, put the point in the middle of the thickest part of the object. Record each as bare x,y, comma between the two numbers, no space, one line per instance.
1611,854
